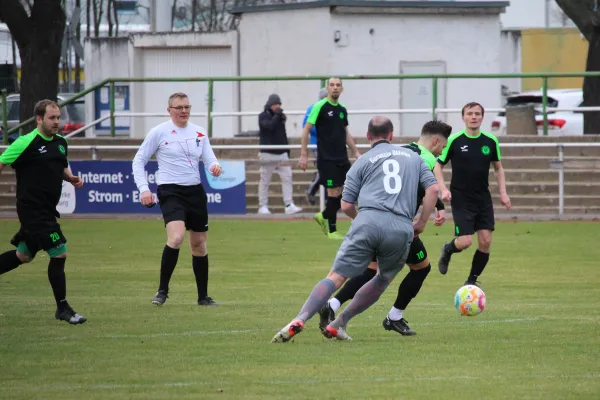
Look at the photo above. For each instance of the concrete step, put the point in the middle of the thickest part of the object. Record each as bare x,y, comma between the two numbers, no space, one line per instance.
538,175
512,174
513,188
279,209
551,152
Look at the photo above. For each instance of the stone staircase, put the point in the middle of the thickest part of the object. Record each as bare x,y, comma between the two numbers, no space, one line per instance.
532,184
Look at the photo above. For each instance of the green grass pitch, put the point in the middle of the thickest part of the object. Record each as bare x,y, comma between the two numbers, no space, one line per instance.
539,337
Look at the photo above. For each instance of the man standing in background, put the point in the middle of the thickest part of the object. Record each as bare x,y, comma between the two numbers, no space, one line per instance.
272,132
330,117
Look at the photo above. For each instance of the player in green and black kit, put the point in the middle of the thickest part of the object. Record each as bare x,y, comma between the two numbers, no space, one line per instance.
330,117
40,162
434,136
471,152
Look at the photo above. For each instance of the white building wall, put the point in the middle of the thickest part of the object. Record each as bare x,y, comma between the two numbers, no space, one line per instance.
281,43
184,55
510,59
104,58
177,55
410,41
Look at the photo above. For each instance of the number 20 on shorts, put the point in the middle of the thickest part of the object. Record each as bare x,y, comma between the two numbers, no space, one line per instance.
55,237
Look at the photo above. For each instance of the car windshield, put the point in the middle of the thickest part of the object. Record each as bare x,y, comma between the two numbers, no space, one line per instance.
529,100
76,112
12,108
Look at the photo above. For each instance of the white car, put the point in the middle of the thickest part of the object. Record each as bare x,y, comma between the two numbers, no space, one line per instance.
560,123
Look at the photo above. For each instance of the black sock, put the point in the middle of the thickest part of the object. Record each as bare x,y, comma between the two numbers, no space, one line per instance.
314,186
9,261
334,204
167,266
480,260
452,247
58,281
410,286
348,291
200,265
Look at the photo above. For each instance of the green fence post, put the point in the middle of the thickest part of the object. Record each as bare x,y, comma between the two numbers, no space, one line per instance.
434,103
210,106
111,99
545,103
4,117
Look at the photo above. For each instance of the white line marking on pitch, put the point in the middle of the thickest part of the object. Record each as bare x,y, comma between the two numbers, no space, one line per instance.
109,386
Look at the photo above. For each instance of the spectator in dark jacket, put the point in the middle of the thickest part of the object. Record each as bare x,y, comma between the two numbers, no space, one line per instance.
272,132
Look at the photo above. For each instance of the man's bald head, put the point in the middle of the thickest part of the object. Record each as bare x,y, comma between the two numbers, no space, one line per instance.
380,127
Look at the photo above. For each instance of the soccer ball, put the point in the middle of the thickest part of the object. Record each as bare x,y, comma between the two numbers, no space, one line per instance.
469,300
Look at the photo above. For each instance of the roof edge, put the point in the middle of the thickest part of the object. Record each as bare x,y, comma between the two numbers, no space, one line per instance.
372,4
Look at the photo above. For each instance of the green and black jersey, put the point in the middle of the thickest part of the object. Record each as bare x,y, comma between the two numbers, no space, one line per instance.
430,161
471,157
330,121
39,164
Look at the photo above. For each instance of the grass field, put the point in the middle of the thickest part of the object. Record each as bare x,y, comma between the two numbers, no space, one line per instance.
538,338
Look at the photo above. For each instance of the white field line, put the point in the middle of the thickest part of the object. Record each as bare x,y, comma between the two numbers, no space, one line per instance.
303,381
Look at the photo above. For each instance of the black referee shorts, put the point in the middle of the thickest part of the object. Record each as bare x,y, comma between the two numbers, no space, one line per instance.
416,252
472,212
332,174
184,203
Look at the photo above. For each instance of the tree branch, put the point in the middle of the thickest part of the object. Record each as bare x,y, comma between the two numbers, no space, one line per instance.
581,12
15,17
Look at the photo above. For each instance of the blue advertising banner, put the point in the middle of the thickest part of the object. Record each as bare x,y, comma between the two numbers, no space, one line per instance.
109,187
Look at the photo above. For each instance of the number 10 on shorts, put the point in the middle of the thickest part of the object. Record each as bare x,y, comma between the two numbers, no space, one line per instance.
391,168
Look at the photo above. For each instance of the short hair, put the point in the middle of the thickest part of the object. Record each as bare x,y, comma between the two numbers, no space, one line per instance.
380,127
333,77
437,128
40,107
471,105
177,95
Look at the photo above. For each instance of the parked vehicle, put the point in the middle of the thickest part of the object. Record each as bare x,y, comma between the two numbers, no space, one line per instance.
560,123
72,115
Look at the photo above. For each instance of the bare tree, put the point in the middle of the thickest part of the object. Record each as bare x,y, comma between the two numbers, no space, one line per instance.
98,11
212,15
88,19
77,60
38,32
586,16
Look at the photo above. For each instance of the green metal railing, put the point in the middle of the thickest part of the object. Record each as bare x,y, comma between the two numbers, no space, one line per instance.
544,76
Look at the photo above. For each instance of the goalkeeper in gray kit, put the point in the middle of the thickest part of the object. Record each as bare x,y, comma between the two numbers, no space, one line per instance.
384,182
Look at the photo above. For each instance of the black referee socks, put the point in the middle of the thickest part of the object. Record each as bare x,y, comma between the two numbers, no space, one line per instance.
200,266
9,261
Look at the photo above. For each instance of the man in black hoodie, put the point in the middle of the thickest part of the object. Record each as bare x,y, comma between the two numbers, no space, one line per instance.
272,132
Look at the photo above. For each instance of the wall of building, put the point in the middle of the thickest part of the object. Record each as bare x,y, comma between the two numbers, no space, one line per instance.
395,44
281,43
553,50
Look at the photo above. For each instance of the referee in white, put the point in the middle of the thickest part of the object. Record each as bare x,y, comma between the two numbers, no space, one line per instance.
179,146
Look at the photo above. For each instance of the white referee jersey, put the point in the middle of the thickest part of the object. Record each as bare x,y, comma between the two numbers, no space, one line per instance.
178,152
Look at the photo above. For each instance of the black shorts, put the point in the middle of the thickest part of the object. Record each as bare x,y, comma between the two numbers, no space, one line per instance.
332,174
416,252
41,236
472,213
184,203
